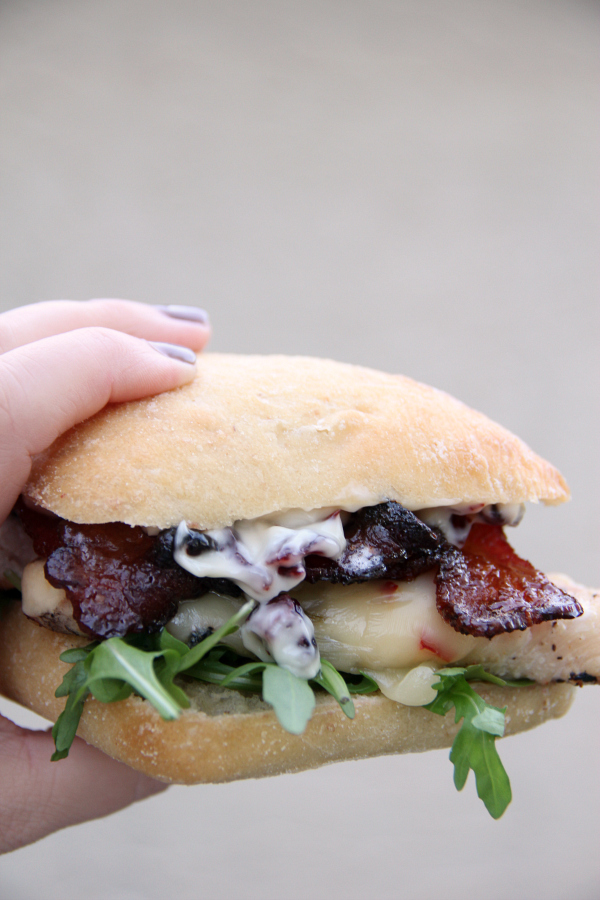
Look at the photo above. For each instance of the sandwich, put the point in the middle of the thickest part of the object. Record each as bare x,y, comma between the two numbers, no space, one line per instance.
286,563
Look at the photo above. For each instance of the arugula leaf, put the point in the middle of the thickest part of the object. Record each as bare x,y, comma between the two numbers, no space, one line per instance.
330,679
291,697
13,579
196,653
364,685
166,641
166,670
77,654
474,746
111,671
242,671
213,670
116,660
65,727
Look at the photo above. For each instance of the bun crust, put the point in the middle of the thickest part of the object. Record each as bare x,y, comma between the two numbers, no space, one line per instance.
254,435
226,736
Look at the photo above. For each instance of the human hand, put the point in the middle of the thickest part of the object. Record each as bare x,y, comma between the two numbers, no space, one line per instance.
61,362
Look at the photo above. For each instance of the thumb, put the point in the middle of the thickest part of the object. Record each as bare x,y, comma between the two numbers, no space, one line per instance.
38,797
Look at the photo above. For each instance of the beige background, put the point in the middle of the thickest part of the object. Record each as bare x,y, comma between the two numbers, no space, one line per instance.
409,185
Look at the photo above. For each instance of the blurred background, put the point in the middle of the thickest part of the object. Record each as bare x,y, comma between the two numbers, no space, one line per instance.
410,185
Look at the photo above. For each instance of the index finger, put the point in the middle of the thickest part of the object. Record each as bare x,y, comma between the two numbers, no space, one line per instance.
185,325
48,386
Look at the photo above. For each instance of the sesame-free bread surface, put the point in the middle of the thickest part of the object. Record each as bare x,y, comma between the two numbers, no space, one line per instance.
253,435
226,735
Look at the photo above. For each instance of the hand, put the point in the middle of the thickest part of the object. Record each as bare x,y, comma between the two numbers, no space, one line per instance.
61,362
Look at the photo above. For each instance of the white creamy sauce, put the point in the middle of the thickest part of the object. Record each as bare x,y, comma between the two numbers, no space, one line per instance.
263,556
281,631
455,521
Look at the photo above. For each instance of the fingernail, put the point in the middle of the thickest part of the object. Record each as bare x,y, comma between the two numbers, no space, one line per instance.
175,351
189,313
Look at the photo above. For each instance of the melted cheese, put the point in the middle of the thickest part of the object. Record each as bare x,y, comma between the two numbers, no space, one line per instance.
381,624
46,604
412,687
196,619
38,595
390,630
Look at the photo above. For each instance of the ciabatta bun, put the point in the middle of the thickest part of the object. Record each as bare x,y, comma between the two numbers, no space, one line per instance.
227,735
250,436
261,434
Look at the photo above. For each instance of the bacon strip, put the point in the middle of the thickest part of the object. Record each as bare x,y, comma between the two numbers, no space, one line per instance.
119,579
384,541
486,589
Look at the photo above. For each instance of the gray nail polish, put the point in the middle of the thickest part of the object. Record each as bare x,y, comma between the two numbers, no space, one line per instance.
189,313
175,351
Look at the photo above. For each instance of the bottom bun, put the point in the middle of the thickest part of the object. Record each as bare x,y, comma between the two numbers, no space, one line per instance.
226,735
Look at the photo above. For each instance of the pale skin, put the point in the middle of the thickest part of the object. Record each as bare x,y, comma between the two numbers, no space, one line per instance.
60,362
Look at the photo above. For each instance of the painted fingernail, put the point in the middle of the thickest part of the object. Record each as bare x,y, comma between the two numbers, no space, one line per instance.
189,313
175,351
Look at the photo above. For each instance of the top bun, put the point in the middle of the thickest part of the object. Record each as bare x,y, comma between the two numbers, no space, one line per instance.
253,435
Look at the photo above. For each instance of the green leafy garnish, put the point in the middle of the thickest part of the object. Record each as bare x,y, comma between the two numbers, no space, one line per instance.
115,668
361,684
330,679
474,746
196,653
291,697
147,664
13,579
65,727
246,677
111,670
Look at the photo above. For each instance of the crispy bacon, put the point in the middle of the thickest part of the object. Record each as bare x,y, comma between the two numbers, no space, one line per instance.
120,580
384,541
486,589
